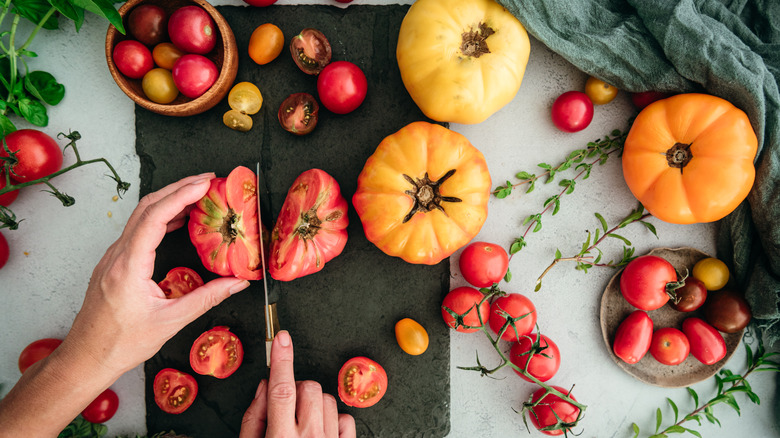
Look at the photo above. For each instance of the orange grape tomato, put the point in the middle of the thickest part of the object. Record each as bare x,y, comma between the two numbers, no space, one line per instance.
266,43
165,55
411,336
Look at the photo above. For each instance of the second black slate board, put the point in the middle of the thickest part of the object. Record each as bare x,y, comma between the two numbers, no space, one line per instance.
351,306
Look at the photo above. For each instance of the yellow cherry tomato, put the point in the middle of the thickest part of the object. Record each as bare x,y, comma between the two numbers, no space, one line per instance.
599,91
266,43
411,336
237,120
245,97
158,86
712,272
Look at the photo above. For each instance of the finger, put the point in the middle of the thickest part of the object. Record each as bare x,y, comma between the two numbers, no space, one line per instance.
309,408
346,426
153,197
281,386
184,310
255,418
330,416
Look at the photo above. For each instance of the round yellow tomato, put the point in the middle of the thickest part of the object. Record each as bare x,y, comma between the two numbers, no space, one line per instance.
689,158
158,86
423,194
461,60
712,272
411,336
600,92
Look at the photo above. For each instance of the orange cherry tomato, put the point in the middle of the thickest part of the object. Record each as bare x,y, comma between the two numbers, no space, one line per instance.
266,43
165,55
411,336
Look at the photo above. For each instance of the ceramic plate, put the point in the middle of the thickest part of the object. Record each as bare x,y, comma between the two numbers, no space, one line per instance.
614,309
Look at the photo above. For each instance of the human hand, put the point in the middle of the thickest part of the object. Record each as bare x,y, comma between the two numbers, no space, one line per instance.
284,407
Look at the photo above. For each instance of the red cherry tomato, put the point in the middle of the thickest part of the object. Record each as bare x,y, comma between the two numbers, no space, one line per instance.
38,154
549,409
179,282
261,3
133,59
541,358
148,24
174,391
516,305
37,350
669,346
460,306
342,87
193,75
102,408
192,29
707,345
647,281
645,98
633,337
483,263
8,198
5,252
362,382
217,352
690,296
572,111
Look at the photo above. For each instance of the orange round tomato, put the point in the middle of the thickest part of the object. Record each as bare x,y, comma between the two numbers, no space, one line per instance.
423,194
266,43
689,158
411,336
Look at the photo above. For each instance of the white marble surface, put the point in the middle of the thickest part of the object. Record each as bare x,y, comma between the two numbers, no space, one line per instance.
55,249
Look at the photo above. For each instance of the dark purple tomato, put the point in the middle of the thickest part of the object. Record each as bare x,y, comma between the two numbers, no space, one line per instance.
148,24
298,113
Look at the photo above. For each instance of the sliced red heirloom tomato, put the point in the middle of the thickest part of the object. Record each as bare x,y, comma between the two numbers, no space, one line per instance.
223,226
540,358
459,309
707,345
362,382
37,154
633,337
180,281
483,263
37,350
174,391
217,352
102,408
311,228
310,50
548,408
670,346
512,306
648,281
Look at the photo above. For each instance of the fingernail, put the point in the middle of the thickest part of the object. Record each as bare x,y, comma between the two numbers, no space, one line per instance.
238,287
260,388
200,181
284,338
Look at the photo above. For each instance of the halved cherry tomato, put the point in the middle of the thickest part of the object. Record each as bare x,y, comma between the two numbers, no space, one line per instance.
174,391
362,382
310,50
513,306
217,352
245,97
547,409
712,272
266,43
633,337
669,346
37,350
411,336
102,408
179,282
298,113
165,55
538,356
237,120
707,345
459,309
600,92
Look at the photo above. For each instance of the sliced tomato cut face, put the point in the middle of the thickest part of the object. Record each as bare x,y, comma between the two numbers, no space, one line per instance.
362,382
241,194
217,352
179,282
174,391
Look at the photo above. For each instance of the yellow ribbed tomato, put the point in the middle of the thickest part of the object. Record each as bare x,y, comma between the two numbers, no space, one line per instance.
461,60
423,194
689,158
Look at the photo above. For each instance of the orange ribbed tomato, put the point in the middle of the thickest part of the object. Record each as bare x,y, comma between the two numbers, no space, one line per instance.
423,194
689,158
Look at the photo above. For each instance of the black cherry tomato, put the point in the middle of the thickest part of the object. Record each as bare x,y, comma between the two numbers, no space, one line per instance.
298,113
310,50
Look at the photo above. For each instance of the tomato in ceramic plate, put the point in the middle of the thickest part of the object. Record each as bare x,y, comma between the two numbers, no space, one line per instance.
37,350
482,264
5,251
174,391
37,154
298,114
633,337
648,281
148,24
8,198
727,311
217,352
645,98
669,346
260,2
310,50
165,55
600,92
690,296
132,58
223,226
342,87
194,75
179,282
712,272
192,30
411,336
460,306
159,87
102,408
538,356
266,43
311,228
362,382
707,345
572,111
517,307
551,414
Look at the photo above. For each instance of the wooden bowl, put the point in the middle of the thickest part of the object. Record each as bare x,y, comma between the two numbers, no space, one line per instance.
223,55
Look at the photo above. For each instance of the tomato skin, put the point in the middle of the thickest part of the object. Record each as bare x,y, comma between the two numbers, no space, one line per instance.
482,264
544,361
180,281
299,113
8,198
342,87
644,280
5,252
707,345
600,92
38,154
192,30
132,58
691,295
645,98
411,336
572,111
159,87
712,272
727,311
544,414
460,300
174,390
633,337
165,55
266,43
102,408
194,75
366,378
311,51
148,24
669,346
516,305
37,350
217,352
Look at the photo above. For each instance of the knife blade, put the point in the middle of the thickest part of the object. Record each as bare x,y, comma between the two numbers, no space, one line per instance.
271,317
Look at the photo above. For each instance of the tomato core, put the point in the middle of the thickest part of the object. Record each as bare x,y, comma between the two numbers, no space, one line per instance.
426,194
475,41
349,377
679,155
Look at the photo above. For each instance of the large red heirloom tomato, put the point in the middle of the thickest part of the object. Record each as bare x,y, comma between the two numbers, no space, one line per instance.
423,194
311,228
689,158
223,226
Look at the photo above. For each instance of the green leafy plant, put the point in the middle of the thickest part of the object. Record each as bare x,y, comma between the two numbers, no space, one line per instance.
25,92
81,428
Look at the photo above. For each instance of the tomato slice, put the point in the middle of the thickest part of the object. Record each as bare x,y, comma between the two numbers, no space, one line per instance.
362,382
174,391
217,352
179,282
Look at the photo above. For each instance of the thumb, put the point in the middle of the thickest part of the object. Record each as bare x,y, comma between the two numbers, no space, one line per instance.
201,300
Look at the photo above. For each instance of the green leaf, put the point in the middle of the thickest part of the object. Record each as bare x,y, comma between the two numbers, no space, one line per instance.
103,8
6,126
749,354
674,408
68,10
523,175
42,85
636,430
33,111
558,254
35,10
517,245
695,397
694,417
545,166
658,420
650,227
675,429
502,192
619,237
603,222
508,276
693,432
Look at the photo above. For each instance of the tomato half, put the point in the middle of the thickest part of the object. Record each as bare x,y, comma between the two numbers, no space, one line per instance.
245,97
174,391
538,356
298,114
482,264
411,336
707,345
572,111
547,409
311,228
727,310
37,154
648,281
180,281
223,226
669,346
266,43
633,337
102,408
192,30
342,87
512,306
362,382
311,51
37,350
460,306
217,352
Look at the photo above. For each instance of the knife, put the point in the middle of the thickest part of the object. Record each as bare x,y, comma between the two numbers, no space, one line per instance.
271,317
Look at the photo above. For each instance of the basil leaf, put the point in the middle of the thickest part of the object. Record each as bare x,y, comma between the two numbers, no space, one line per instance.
6,126
103,8
42,85
33,111
35,10
69,10
5,73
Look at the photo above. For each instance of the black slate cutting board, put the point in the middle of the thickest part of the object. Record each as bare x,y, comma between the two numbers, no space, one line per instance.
350,307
